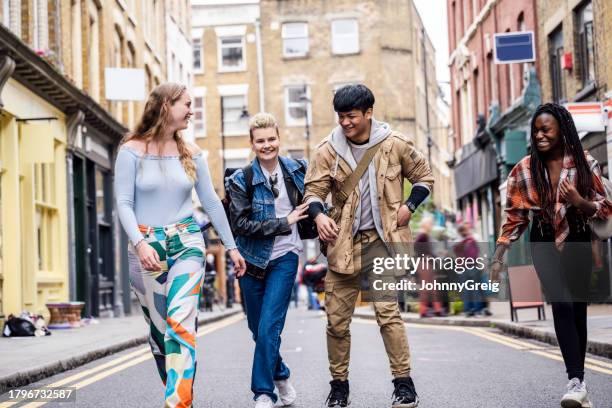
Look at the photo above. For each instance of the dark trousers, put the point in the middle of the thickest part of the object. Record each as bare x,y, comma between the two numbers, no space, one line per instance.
565,277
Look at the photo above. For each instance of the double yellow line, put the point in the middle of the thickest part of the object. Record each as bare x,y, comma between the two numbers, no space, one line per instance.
97,373
553,354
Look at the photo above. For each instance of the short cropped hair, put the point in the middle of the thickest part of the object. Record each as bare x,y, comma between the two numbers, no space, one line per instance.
262,120
351,97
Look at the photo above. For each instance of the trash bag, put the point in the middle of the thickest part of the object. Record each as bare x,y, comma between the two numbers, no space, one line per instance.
25,326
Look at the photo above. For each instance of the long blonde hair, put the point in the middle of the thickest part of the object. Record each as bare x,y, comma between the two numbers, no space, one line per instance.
155,119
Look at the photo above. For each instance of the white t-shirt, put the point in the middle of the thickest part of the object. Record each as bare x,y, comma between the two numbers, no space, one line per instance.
282,206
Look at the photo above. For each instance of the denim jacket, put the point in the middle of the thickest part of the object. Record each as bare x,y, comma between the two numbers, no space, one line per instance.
254,221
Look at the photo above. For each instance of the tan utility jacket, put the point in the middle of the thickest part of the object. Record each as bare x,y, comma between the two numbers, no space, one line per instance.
395,160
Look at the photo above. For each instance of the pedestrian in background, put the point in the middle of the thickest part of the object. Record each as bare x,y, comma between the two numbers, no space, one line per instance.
368,213
208,285
560,183
265,217
155,173
474,301
424,248
230,283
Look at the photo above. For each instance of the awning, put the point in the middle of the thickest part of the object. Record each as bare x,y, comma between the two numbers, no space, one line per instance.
476,168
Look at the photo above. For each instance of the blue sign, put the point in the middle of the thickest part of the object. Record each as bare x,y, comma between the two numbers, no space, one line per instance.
514,47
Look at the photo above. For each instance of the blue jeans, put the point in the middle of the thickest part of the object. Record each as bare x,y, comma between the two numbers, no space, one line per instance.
266,301
313,302
473,300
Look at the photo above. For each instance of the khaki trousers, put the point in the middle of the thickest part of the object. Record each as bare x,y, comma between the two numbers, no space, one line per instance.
341,291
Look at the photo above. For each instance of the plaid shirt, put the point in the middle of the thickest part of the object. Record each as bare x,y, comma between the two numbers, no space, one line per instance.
522,198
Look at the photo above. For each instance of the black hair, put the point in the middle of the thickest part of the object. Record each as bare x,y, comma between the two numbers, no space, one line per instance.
351,97
572,145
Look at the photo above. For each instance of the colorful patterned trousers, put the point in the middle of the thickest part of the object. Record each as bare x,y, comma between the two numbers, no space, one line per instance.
169,300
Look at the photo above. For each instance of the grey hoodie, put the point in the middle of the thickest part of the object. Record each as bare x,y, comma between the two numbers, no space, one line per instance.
378,133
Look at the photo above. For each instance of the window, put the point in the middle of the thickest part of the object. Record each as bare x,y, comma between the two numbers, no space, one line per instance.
586,52
297,105
102,211
345,36
476,86
198,53
231,54
6,13
235,118
40,25
94,56
492,78
130,62
46,214
118,61
555,51
295,39
525,66
76,34
475,9
199,115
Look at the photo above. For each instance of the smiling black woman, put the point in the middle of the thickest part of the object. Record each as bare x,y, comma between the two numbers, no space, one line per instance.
560,183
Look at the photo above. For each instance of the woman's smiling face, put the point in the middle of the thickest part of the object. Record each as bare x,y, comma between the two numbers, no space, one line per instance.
547,136
180,112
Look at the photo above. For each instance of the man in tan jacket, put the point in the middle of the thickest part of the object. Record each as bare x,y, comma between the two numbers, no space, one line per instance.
373,211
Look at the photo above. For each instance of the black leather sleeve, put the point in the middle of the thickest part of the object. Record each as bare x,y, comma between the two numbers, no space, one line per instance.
240,214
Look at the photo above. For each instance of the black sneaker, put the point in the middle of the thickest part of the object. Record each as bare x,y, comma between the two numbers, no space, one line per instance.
404,394
339,394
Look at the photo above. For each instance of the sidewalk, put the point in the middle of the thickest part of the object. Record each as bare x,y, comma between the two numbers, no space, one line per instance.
29,359
599,324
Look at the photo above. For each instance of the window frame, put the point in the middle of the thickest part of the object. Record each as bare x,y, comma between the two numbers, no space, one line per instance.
46,215
289,119
584,29
335,36
555,54
233,133
197,42
304,36
199,134
223,68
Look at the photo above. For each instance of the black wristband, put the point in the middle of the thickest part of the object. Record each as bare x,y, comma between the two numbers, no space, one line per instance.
315,208
417,196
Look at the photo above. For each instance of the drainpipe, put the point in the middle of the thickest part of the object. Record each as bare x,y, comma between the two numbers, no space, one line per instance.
74,122
260,74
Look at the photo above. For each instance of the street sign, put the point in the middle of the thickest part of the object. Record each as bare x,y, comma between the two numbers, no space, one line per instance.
514,47
124,84
587,116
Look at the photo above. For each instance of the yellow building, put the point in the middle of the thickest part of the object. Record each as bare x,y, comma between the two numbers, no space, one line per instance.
99,34
33,184
39,112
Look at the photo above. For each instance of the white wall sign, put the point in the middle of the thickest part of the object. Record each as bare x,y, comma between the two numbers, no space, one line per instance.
124,84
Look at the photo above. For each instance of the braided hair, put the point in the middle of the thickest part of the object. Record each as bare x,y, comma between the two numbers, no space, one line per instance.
572,145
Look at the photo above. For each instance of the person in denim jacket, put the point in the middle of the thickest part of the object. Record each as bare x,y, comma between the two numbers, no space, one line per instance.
264,218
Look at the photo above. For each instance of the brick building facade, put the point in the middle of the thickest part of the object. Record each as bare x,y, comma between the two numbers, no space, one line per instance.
491,104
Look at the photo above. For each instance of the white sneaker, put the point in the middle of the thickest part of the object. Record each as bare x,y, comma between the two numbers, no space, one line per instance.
576,395
286,392
263,401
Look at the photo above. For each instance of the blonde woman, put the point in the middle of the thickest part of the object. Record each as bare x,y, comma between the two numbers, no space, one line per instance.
155,172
